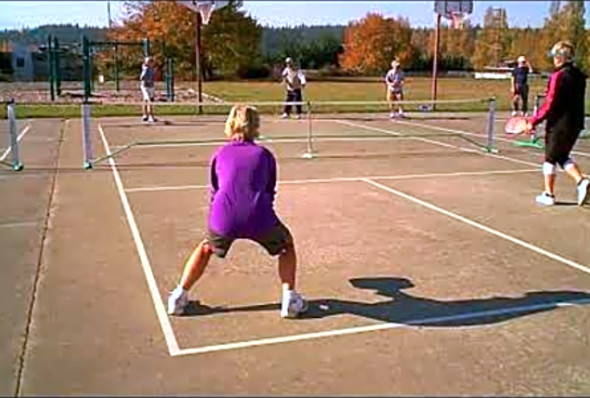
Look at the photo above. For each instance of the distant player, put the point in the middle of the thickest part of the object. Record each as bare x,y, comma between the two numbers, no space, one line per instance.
519,88
563,111
295,81
243,178
148,89
394,80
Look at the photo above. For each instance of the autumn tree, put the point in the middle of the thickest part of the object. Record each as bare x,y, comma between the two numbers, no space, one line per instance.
230,42
493,41
371,43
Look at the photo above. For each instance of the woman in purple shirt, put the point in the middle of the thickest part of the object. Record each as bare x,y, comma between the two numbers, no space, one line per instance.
243,181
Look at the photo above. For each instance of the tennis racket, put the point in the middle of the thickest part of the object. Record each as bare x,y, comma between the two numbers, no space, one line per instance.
516,125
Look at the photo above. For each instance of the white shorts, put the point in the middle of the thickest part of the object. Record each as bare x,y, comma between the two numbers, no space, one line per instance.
149,93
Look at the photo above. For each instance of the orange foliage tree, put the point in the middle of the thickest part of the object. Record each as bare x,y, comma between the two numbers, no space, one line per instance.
373,42
230,42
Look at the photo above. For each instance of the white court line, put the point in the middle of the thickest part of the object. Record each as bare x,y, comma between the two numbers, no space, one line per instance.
492,231
347,179
20,136
263,141
145,262
19,224
438,142
585,154
425,322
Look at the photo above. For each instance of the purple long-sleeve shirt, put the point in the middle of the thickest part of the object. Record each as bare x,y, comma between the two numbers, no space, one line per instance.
242,180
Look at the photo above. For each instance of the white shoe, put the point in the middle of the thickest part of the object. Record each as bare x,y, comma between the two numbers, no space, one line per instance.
401,114
583,191
177,301
297,116
293,305
151,119
284,116
545,199
392,115
514,113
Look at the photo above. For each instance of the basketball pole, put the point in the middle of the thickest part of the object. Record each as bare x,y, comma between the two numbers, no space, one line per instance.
435,60
198,62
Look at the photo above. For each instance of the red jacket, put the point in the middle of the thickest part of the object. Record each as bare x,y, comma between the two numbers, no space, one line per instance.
563,108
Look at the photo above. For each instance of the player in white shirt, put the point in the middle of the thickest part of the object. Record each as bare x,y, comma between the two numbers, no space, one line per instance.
295,82
394,79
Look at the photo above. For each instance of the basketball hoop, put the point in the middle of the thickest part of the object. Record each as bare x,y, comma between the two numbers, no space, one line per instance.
203,7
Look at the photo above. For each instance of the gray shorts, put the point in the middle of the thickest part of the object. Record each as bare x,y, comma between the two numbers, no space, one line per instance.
274,241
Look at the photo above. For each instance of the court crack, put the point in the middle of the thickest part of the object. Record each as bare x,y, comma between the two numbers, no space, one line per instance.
23,352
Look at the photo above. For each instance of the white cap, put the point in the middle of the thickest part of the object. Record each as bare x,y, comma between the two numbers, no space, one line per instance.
394,63
289,60
521,59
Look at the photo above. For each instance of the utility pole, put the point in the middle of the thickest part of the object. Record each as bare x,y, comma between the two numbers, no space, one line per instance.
109,13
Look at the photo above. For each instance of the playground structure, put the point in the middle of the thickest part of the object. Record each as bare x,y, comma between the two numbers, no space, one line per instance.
89,50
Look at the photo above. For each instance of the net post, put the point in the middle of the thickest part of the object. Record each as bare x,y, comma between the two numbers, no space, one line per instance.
310,152
86,137
490,126
536,107
13,131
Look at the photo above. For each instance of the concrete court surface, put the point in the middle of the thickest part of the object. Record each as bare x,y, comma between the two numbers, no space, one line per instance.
428,268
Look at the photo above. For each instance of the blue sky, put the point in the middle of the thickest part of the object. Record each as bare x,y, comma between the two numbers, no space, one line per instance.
18,14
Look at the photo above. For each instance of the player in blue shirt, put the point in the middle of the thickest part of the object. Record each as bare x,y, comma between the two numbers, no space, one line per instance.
519,86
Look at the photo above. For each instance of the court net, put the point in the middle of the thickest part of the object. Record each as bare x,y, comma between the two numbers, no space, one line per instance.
313,126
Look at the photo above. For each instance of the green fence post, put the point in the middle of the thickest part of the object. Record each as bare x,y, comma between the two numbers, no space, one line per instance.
146,47
56,74
50,67
86,68
117,86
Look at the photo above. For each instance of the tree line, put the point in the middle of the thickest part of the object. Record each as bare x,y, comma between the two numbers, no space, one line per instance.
234,44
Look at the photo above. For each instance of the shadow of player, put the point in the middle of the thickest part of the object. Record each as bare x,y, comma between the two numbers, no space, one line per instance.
404,308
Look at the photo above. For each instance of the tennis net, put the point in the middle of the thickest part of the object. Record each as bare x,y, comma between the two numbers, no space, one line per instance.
314,126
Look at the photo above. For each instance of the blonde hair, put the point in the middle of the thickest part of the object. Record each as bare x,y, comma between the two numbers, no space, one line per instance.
563,49
243,123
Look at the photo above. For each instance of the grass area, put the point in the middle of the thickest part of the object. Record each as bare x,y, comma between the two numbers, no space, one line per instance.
417,88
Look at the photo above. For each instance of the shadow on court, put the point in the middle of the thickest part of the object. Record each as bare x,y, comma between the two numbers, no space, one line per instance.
404,308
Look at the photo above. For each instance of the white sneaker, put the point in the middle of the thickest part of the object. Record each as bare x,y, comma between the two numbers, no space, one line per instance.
392,115
284,116
151,119
583,191
297,116
545,199
293,305
401,114
514,113
177,301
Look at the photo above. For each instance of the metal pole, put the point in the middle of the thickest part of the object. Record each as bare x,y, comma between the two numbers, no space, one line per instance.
56,76
50,67
117,86
86,136
13,131
198,63
490,127
172,79
435,61
86,67
310,151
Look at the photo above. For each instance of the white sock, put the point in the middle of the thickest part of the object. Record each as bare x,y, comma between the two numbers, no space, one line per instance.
178,291
287,293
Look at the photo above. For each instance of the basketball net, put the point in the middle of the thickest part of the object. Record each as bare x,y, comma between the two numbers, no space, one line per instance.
457,20
205,8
